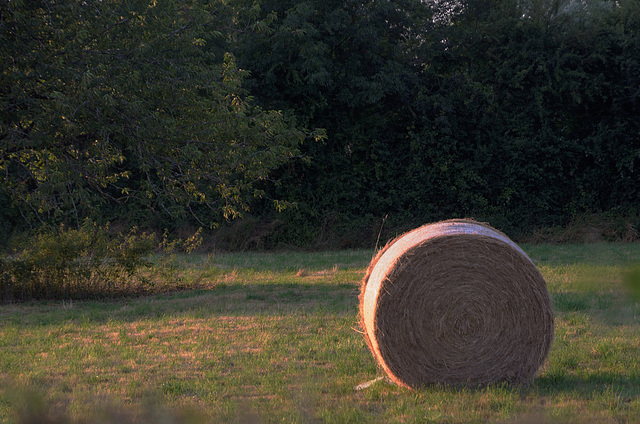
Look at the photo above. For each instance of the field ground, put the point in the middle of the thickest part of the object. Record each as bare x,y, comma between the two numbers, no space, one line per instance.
275,338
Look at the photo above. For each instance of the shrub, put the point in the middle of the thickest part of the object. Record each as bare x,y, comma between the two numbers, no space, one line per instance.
58,263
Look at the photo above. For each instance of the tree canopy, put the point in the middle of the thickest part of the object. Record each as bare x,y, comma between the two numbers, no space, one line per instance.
112,103
523,113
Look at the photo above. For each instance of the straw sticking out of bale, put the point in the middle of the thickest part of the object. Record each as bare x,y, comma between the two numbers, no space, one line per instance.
456,302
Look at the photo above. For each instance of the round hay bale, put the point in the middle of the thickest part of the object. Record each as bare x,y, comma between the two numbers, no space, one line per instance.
456,303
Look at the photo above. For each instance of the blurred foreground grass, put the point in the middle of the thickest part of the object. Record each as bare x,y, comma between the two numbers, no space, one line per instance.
275,338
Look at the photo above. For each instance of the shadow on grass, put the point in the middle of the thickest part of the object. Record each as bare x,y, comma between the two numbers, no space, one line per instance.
591,385
574,302
244,299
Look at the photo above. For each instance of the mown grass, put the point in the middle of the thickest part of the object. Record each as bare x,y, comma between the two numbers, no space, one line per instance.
275,338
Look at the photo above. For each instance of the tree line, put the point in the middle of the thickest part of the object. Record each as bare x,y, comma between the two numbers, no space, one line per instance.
320,118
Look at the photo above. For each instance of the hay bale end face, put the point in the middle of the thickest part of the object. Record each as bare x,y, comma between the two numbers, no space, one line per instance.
458,303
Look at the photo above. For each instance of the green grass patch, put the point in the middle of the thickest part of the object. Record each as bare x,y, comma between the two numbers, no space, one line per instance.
274,337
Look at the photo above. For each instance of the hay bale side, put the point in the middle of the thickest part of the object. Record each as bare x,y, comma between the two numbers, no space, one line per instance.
456,302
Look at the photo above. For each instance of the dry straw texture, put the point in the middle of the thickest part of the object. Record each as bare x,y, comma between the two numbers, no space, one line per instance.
458,303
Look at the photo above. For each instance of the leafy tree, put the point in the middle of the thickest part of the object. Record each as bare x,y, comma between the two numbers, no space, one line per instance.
108,103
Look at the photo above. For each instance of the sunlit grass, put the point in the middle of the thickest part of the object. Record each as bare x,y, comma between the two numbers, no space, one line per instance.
274,337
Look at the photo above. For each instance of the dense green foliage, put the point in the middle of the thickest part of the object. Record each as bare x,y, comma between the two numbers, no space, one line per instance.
523,113
129,109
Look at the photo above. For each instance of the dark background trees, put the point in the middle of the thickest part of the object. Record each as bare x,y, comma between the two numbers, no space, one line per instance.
523,113
520,113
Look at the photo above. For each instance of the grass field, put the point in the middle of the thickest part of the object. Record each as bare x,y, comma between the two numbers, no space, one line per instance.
275,338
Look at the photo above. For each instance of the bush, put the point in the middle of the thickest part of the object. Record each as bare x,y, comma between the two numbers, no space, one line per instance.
76,263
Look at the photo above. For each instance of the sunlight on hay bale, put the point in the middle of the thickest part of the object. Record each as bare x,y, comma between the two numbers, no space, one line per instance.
456,302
